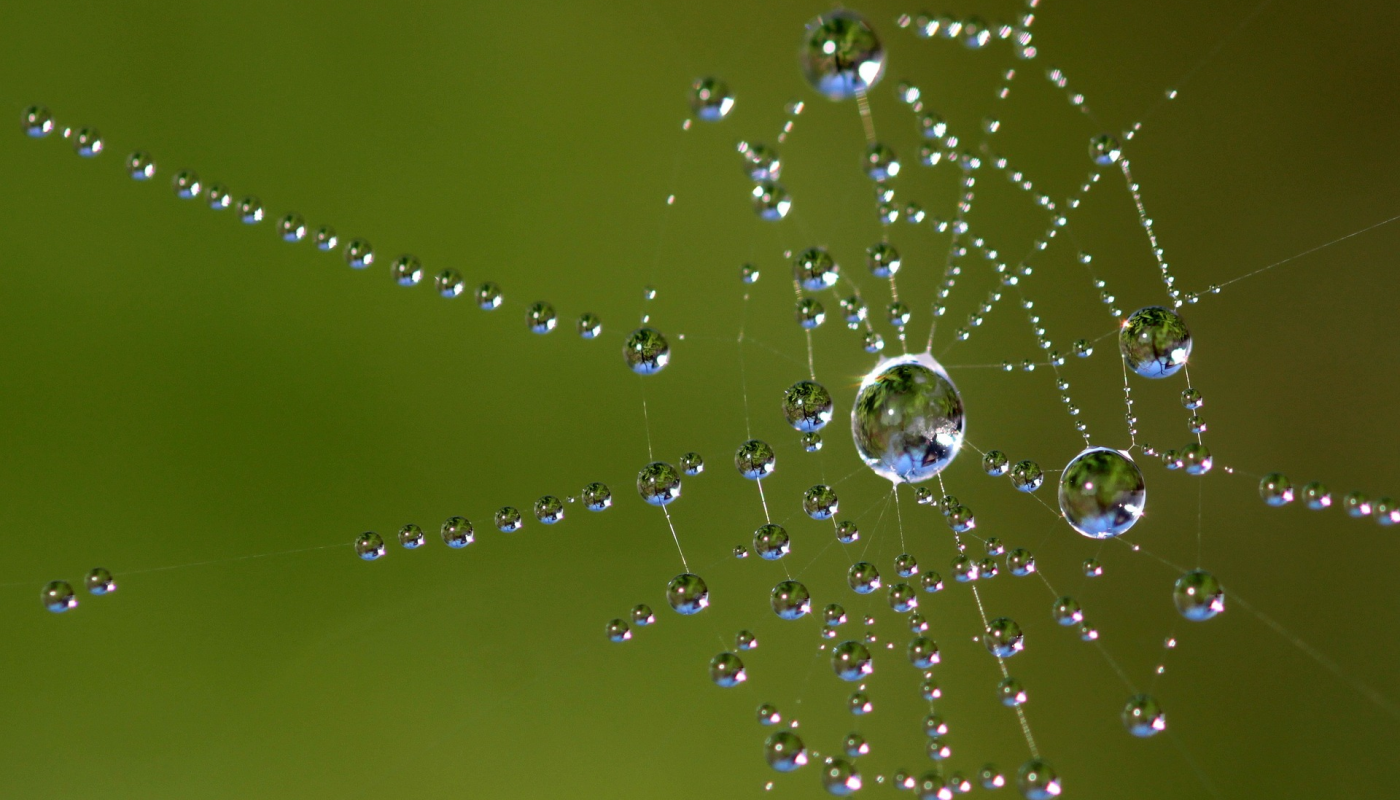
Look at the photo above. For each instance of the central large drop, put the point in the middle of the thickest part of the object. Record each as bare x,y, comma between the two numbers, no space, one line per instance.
907,421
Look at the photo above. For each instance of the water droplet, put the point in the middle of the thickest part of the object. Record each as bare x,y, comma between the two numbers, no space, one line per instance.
186,184
1198,595
457,532
540,317
1011,692
929,690
369,546
618,631
748,273
771,542
1316,496
727,670
1067,611
771,201
87,142
906,565
1356,504
1155,342
1037,780
812,442
218,197
907,420
1020,562
99,581
250,210
658,483
995,463
549,509
1105,150
1027,476
646,351
923,653
140,166
990,777
814,269
880,163
859,703
291,227
508,519
589,326
755,459
448,283
903,598
810,313
847,532
37,121
761,163
834,614
784,751
407,270
1191,398
1092,568
688,594
840,777
1142,716
1276,489
411,536
1387,511
326,240
711,99
1102,493
768,714
488,296
790,600
820,502
359,254
741,551
807,406
641,614
854,745
1003,637
58,597
1196,459
841,56
851,661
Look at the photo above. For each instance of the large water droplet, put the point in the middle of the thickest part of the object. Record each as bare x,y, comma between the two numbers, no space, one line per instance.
711,99
658,483
1198,595
1004,638
907,420
1155,342
771,542
784,751
791,600
646,351
58,597
755,459
841,56
1143,717
457,532
727,670
850,660
688,594
1102,493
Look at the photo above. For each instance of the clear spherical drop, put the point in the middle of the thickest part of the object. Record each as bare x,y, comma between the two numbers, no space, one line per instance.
784,751
990,777
880,162
903,598
995,463
1027,476
87,142
186,184
406,270
755,459
1037,780
658,483
820,502
508,519
1067,611
859,703
218,197
847,532
850,660
99,581
771,542
727,670
1003,637
863,577
1155,342
812,442
923,652
359,254
882,259
711,99
37,121
597,496
807,406
457,532
841,56
1011,692
931,581
1105,150
840,777
810,313
1020,562
488,296
1276,489
771,201
646,351
589,326
1316,496
688,594
907,420
250,210
369,546
325,239
1142,716
140,166
58,597
617,630
1082,348
1196,459
745,640
814,269
768,714
905,565
449,283
761,163
790,600
549,509
1198,595
1102,493
749,273
291,227
411,537
641,614
540,317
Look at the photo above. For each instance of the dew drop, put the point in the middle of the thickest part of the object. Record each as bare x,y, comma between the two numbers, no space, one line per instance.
1198,595
841,56
646,351
369,546
99,581
1102,493
58,597
688,594
457,532
1155,342
907,420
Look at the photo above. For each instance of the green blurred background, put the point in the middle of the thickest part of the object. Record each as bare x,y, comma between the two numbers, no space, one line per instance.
180,389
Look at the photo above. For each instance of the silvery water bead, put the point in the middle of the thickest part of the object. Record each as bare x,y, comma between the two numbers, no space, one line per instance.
1067,611
1003,637
923,652
688,594
692,464
99,581
850,660
863,577
820,502
646,351
508,519
1102,493
907,420
1105,150
1037,780
840,777
540,317
359,254
641,614
37,121
1027,476
727,670
814,269
771,202
1198,595
995,463
771,542
658,483
755,459
407,270
711,99
411,537
457,532
58,597
549,509
791,600
768,714
369,545
807,406
882,259
140,166
1142,716
618,631
841,56
1155,342
784,751
488,296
